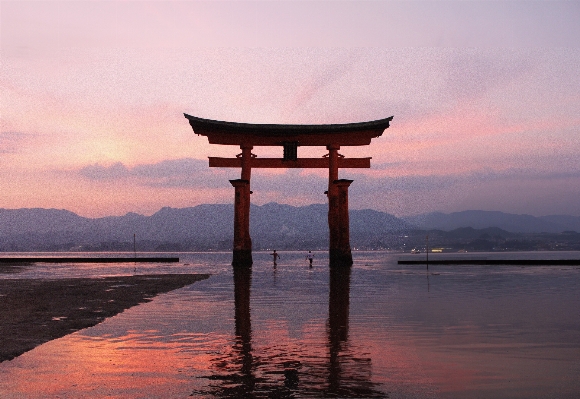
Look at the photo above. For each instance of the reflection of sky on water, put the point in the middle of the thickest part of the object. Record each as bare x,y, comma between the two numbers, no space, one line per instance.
487,331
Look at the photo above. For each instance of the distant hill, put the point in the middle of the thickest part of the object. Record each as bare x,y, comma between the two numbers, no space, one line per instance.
564,222
505,221
283,227
203,227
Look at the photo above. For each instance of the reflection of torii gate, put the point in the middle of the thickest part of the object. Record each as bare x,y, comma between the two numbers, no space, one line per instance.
291,137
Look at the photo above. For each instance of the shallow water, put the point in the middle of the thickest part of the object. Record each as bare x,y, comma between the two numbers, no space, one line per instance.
380,330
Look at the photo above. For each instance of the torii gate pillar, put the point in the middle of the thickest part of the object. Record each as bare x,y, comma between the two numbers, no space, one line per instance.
242,252
242,242
338,224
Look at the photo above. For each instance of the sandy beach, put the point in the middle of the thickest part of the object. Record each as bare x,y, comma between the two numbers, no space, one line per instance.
34,311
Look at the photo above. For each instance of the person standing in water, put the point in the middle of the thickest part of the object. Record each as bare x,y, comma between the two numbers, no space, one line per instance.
310,256
276,256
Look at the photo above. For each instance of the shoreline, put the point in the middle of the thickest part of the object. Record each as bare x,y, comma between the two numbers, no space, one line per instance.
84,259
35,311
506,262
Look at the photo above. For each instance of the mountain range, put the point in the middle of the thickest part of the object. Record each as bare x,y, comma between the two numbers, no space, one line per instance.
210,227
505,221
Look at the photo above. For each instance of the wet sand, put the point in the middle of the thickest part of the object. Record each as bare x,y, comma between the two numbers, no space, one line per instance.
33,312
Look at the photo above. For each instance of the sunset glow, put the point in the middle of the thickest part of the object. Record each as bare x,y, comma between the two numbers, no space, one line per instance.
485,98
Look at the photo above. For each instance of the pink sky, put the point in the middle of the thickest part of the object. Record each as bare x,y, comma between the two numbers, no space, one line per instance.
485,98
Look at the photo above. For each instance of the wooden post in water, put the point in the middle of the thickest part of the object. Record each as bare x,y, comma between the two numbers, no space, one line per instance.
339,252
427,250
242,252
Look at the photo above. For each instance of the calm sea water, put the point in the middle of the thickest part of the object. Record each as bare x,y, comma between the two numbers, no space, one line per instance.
378,330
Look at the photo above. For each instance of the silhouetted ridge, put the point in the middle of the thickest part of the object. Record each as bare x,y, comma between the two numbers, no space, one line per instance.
209,227
203,227
506,221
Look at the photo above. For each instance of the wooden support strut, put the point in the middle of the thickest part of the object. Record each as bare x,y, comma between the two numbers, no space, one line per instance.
246,164
304,163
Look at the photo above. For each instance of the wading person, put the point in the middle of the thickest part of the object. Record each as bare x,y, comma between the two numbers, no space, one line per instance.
275,256
310,256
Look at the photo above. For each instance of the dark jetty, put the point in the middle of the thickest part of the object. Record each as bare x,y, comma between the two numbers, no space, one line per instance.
85,260
526,262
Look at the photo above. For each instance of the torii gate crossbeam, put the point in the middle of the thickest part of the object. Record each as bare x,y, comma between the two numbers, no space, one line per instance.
290,137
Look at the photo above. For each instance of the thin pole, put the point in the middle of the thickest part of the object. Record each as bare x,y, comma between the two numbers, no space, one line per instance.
427,251
134,247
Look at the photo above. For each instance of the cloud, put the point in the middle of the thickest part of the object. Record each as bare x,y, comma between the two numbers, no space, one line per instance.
192,173
471,73
417,182
322,76
98,172
294,182
528,188
178,173
11,141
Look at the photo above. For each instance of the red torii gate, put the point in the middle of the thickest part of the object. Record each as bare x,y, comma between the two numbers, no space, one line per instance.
290,137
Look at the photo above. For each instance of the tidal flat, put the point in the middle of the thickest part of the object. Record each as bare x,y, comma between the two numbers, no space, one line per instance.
35,311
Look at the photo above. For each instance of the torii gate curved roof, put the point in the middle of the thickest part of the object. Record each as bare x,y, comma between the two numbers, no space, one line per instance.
234,133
